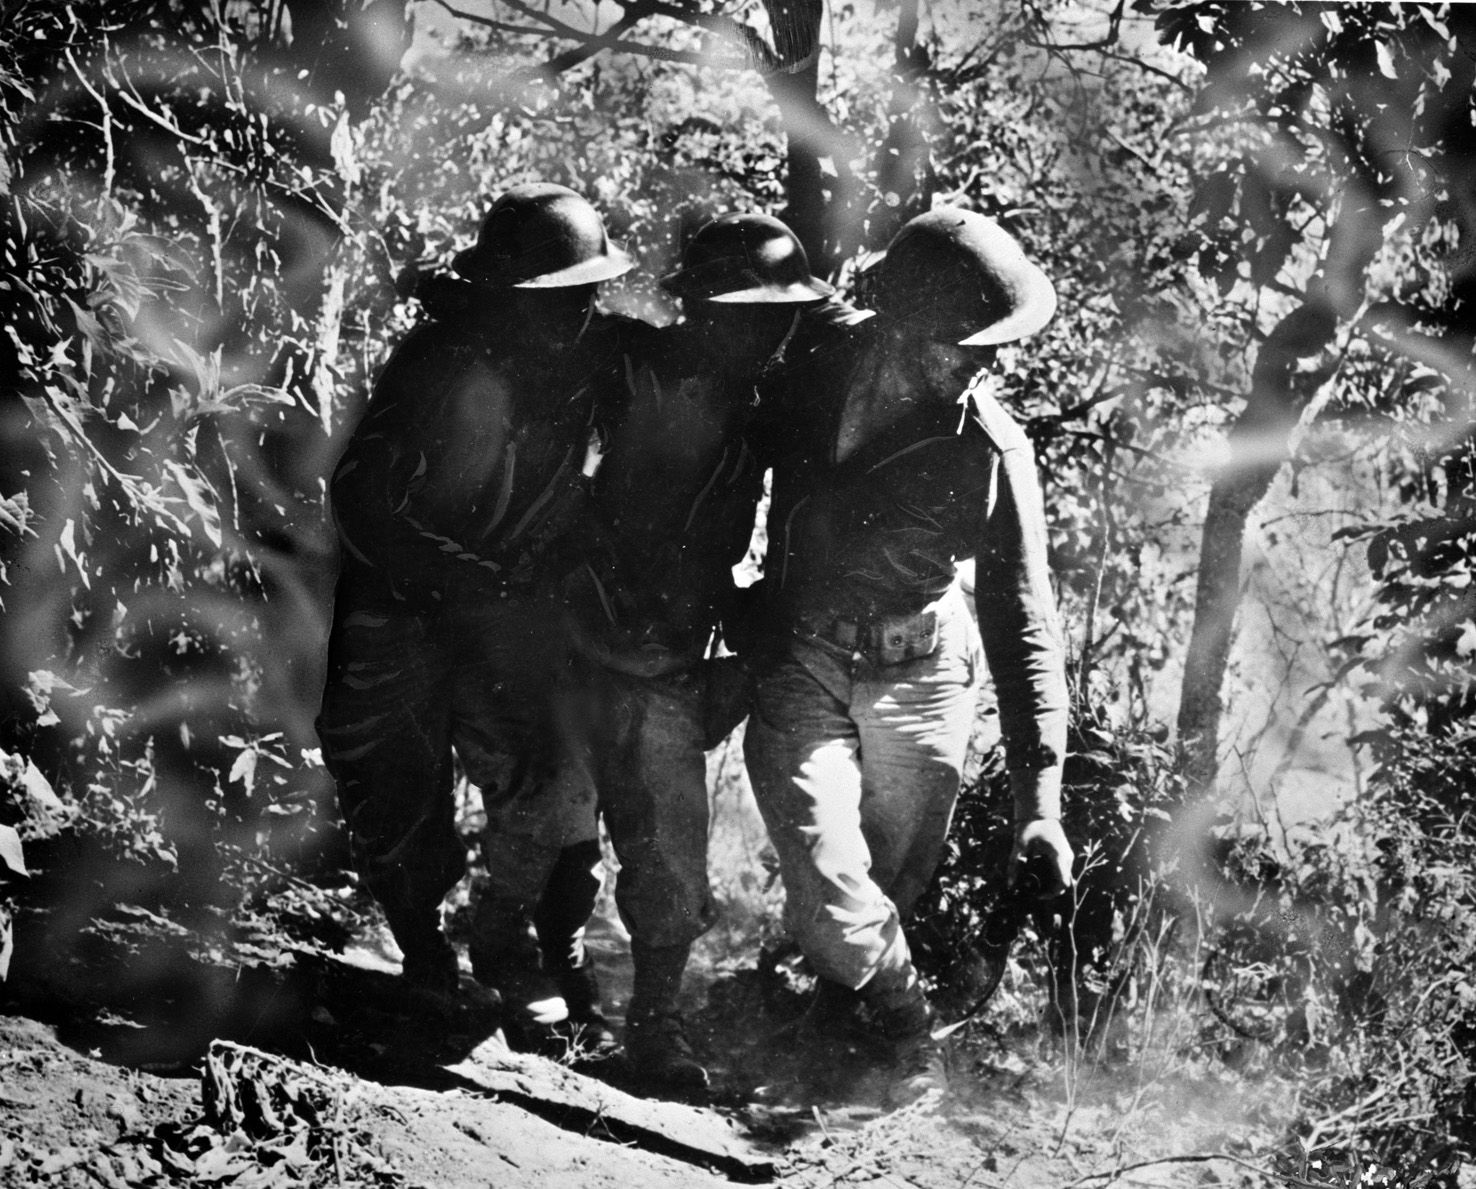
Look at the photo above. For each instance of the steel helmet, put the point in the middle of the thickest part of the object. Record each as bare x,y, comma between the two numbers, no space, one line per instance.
957,271
541,236
751,259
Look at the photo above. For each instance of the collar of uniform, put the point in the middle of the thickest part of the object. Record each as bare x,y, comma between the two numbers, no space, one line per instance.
980,403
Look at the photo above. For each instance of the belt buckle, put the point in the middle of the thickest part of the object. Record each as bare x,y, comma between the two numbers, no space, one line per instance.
906,638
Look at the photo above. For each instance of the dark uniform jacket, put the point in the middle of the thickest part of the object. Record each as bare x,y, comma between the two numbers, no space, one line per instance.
877,535
672,507
469,465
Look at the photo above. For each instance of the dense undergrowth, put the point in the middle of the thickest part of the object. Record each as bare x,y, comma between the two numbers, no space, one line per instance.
1329,964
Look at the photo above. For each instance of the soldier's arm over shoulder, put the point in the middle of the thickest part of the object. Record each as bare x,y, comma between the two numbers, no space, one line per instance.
829,337
444,296
626,324
615,332
635,344
836,312
827,326
825,344
390,449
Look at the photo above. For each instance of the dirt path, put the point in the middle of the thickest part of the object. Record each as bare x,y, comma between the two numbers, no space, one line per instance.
164,1059
68,1119
72,1120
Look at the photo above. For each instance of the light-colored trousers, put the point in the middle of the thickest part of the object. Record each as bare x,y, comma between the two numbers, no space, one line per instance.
856,768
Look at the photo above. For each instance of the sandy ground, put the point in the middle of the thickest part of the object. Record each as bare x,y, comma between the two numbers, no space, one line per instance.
111,1074
82,1103
70,1119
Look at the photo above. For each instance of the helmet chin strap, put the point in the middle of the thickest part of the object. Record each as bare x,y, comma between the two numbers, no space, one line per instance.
987,383
777,353
589,312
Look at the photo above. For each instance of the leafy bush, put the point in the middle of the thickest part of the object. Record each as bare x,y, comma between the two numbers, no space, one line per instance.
1120,784
166,393
1352,963
1420,655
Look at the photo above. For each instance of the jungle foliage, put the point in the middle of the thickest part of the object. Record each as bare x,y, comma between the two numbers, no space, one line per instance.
216,218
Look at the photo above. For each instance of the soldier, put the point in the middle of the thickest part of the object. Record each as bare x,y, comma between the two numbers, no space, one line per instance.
893,463
671,513
453,501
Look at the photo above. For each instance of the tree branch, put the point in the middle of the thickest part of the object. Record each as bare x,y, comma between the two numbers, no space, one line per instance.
1091,435
1279,406
1127,1168
571,58
961,72
713,22
906,36
611,39
126,90
551,24
131,99
1151,69
106,126
1114,25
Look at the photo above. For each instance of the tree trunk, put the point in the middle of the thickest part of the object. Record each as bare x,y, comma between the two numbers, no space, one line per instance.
820,200
1259,442
806,209
348,46
904,164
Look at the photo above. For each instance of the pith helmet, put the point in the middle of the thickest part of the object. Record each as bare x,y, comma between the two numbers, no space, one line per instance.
959,272
745,259
541,236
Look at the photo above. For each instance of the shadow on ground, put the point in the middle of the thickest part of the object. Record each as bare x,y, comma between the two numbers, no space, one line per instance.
152,988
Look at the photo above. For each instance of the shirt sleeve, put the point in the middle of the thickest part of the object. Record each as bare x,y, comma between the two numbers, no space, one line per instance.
374,486
797,395
1017,609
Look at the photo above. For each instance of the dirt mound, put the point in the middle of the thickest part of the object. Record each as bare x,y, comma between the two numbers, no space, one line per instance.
67,1119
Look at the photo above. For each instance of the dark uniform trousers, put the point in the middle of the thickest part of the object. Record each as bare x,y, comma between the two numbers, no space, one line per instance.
641,740
404,688
451,500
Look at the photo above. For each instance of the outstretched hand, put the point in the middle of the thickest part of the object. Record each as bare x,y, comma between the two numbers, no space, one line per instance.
1041,847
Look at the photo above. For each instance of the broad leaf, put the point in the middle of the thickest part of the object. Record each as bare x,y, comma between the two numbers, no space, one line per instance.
244,769
10,850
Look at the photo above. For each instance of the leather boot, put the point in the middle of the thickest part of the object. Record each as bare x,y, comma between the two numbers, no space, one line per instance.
830,1017
585,1028
429,965
565,909
504,955
656,1042
919,1063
